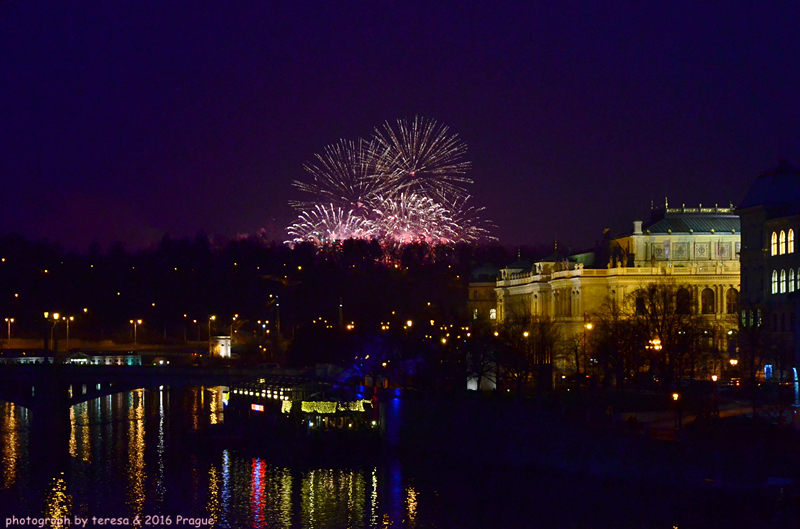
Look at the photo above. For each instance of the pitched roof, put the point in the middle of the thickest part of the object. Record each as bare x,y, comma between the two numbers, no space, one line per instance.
695,223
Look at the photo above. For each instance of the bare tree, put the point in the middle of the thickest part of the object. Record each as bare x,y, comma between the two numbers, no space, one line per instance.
618,343
481,351
671,332
529,342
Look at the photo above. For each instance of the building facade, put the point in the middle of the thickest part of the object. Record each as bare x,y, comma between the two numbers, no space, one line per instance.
695,248
770,218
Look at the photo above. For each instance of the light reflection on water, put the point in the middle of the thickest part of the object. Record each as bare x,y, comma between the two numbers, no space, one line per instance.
59,503
131,454
140,453
136,446
12,429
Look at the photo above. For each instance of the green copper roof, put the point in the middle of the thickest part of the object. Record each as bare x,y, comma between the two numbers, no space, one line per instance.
695,223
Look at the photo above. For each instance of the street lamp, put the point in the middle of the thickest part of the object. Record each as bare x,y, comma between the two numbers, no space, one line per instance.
9,321
53,328
233,322
135,323
67,320
678,418
210,319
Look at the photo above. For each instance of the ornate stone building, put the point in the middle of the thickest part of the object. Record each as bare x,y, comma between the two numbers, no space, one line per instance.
697,248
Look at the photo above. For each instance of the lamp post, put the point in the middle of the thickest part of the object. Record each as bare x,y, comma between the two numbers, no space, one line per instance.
9,321
678,418
52,329
586,327
233,322
210,319
135,324
67,320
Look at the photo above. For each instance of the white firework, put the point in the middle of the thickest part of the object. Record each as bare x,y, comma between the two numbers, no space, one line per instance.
342,176
325,224
420,157
411,218
406,185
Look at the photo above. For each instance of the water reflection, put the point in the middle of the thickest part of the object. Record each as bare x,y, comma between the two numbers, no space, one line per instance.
144,453
13,428
80,441
160,490
58,504
136,446
215,408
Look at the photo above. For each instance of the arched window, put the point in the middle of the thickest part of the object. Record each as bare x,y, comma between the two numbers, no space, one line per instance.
732,301
683,301
783,281
790,285
774,281
492,314
774,250
707,301
790,248
782,246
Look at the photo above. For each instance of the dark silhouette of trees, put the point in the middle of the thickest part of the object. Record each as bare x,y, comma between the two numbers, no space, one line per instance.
652,329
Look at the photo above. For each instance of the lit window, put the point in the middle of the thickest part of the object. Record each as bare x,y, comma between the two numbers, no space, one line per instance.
475,314
783,281
782,247
774,281
774,250
790,248
492,314
790,285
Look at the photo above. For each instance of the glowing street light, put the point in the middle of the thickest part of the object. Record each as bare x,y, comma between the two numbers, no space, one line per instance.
678,411
210,319
67,320
56,317
135,324
9,321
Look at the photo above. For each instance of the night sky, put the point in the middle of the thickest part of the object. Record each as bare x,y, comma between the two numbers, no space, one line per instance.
129,120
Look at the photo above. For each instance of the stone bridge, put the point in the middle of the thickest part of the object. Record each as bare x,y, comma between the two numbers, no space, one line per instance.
48,390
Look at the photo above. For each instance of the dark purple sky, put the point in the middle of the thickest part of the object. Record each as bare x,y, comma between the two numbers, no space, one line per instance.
131,119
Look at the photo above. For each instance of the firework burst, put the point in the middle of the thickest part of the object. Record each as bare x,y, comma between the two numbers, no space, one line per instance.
420,157
342,176
405,185
325,224
410,218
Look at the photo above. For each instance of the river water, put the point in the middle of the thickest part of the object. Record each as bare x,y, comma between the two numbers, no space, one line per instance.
144,456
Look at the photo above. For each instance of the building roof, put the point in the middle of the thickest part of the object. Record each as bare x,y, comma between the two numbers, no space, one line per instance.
777,190
485,272
696,220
